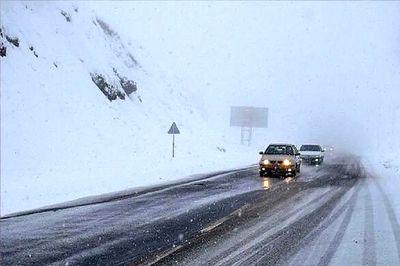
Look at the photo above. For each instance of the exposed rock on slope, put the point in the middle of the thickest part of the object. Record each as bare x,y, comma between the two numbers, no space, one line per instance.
106,88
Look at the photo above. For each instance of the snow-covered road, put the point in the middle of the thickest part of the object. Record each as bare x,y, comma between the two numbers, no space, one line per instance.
351,218
363,229
333,213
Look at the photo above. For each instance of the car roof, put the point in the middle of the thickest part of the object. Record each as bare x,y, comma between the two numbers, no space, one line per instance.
310,145
281,144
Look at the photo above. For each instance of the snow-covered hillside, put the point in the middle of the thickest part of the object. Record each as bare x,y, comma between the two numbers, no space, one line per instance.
84,111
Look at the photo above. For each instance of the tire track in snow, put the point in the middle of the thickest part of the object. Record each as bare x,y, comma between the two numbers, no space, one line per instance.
337,239
392,216
323,226
274,249
262,233
369,250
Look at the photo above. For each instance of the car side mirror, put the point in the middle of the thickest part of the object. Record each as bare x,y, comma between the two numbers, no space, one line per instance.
323,150
261,153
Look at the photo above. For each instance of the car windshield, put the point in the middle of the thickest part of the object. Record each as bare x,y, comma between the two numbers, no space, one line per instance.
310,148
279,149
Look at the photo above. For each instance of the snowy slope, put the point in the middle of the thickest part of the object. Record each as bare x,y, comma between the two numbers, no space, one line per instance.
63,138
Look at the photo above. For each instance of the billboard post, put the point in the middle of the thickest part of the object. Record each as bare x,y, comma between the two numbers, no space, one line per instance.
247,118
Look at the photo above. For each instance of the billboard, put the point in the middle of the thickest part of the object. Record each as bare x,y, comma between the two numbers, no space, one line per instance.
248,116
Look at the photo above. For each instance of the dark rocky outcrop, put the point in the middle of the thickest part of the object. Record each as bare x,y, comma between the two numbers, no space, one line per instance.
3,50
106,88
221,149
120,94
33,50
127,85
13,40
66,15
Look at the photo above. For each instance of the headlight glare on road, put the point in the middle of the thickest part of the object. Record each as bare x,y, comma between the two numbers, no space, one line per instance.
265,162
286,162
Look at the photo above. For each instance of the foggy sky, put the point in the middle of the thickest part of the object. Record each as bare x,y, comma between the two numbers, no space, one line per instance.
329,72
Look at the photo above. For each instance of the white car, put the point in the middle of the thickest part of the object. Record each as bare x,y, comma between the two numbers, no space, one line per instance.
312,154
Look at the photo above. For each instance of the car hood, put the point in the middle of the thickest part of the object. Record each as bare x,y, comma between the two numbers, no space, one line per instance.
275,157
312,153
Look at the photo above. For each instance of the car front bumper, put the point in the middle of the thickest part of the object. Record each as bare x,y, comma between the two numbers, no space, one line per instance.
277,169
312,159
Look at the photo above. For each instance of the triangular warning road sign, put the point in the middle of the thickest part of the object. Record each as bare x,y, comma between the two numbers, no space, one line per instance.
173,129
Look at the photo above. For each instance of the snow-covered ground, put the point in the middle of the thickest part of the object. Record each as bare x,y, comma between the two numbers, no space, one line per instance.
386,169
62,138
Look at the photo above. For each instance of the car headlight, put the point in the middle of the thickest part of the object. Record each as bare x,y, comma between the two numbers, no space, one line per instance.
286,162
265,162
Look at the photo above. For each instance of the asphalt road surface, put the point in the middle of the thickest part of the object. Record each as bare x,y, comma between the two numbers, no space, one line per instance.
233,218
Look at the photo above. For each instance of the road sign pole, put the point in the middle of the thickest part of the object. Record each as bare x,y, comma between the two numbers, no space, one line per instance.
173,145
